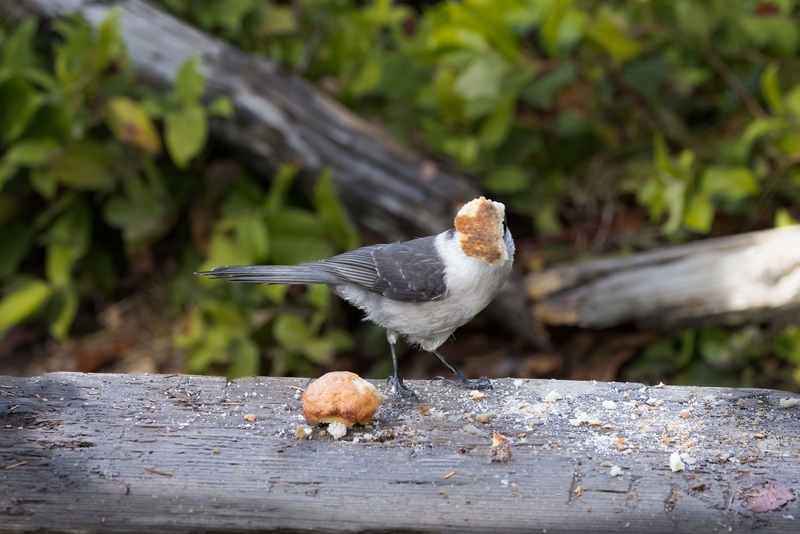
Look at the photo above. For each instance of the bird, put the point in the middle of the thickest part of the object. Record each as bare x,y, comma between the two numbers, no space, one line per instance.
422,289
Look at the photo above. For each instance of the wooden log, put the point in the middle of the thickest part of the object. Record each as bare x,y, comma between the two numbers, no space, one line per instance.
139,453
749,278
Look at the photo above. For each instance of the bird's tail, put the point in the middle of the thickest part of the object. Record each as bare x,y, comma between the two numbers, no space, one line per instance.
271,274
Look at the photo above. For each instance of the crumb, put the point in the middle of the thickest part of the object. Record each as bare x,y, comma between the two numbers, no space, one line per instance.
675,462
303,432
609,405
483,417
250,417
606,464
500,452
337,429
685,414
471,429
788,402
477,395
615,471
552,397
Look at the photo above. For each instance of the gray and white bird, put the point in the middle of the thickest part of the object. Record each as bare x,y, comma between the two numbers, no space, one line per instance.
422,289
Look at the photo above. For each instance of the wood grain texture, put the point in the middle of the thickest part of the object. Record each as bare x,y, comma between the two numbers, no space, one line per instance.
137,453
742,279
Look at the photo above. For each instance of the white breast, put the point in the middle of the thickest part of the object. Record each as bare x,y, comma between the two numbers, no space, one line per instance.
471,285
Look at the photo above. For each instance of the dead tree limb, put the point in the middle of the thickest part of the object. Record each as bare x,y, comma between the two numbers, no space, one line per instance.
749,278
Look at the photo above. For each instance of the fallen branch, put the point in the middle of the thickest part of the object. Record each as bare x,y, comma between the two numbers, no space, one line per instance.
742,279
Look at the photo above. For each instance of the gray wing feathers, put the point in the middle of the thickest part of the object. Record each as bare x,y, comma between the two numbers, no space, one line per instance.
411,272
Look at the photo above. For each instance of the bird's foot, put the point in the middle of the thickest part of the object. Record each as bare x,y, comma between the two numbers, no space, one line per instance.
400,387
464,382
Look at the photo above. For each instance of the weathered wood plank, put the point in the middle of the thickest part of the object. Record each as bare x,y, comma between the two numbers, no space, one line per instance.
742,279
89,441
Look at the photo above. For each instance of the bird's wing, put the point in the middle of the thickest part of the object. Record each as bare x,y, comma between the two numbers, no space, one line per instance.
411,272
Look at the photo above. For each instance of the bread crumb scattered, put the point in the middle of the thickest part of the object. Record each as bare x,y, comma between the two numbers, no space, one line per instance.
552,396
337,429
250,417
685,414
501,452
303,432
609,405
477,395
675,462
788,402
483,417
615,471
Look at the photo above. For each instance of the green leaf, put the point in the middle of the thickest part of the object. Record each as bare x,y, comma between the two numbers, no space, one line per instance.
290,332
297,236
69,301
674,199
496,127
319,350
245,358
542,91
368,77
482,78
22,303
699,214
15,238
507,180
83,165
17,50
771,89
281,182
19,101
754,131
552,25
31,152
252,236
277,19
131,124
223,249
143,211
109,44
189,83
782,218
729,183
607,34
221,107
333,215
186,132
68,239
793,101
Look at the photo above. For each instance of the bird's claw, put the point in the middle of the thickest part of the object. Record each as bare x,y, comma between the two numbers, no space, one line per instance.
464,382
401,388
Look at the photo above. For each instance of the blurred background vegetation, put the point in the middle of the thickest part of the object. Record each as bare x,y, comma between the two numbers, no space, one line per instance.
606,127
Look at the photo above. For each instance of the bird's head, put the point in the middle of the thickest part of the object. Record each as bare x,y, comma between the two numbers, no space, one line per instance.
481,227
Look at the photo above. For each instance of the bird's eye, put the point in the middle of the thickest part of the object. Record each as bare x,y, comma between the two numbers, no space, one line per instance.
505,225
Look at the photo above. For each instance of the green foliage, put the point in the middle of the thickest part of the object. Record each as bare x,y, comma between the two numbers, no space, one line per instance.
81,155
520,90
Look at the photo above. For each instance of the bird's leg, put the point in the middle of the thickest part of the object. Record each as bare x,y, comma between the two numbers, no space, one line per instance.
395,379
461,380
